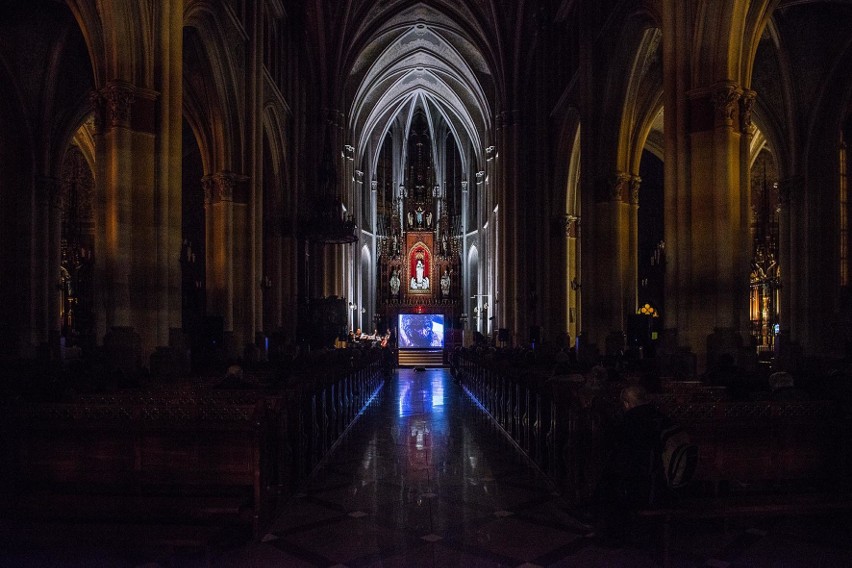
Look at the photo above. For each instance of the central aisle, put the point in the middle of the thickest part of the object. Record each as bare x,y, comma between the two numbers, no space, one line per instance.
422,479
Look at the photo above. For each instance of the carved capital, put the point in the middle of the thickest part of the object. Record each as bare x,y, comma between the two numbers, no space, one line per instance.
464,186
725,97
219,187
349,151
746,105
374,185
570,225
480,176
119,98
635,182
619,185
359,176
490,152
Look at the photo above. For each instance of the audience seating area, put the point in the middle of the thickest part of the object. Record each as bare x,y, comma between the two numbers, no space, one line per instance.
175,466
757,457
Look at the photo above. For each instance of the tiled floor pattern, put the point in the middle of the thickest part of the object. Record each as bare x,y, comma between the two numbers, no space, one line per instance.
424,480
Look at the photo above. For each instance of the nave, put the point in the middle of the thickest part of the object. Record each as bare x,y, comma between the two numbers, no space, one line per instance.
424,479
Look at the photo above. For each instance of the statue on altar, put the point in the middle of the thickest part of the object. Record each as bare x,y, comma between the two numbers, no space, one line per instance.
445,283
394,282
428,219
419,281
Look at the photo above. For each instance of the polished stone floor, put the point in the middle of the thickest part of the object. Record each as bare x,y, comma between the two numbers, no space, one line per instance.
423,479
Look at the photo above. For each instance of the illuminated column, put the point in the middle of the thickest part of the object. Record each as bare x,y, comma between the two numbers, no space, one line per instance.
115,166
712,293
742,257
572,234
607,273
631,274
226,219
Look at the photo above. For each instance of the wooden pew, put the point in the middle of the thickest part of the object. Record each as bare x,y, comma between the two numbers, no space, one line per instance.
758,459
198,466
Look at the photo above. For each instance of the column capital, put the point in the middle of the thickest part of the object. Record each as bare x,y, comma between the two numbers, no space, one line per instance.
725,95
118,97
464,186
491,152
635,182
359,176
747,100
569,225
619,186
349,151
223,186
374,185
480,176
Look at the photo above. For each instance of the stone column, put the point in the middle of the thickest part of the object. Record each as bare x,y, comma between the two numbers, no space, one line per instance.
131,290
571,225
225,204
254,221
713,294
743,255
479,281
631,276
115,166
607,271
169,155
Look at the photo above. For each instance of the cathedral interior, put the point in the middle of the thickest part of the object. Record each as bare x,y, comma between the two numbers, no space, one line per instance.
647,186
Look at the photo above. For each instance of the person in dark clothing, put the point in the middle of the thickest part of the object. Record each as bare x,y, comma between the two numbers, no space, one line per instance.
632,475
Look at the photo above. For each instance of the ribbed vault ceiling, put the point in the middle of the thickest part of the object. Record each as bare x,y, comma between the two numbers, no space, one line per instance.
420,59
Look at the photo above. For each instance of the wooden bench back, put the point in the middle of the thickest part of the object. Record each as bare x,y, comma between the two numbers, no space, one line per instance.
749,442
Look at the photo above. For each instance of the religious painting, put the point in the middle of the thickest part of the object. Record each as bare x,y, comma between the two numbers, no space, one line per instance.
419,269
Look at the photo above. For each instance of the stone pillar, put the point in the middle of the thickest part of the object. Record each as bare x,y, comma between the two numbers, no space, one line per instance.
574,280
631,276
168,175
115,169
713,293
254,221
479,281
608,272
225,204
743,255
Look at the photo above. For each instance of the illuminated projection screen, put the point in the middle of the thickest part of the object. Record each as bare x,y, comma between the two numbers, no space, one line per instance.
421,331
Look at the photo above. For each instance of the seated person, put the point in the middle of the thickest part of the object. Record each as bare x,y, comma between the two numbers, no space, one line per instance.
632,475
783,387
